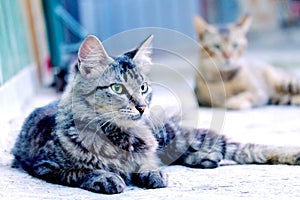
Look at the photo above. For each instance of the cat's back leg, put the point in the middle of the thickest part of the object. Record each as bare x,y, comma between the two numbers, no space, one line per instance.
38,151
286,88
36,132
95,180
285,99
287,92
197,148
206,150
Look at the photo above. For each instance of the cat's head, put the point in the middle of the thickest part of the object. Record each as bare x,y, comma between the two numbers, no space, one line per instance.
113,88
225,45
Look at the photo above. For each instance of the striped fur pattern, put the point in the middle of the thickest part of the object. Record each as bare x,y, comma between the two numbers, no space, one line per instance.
226,79
101,137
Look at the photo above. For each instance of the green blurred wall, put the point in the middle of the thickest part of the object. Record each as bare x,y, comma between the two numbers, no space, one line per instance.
15,47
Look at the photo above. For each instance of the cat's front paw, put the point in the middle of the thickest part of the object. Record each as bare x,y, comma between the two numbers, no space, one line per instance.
151,179
238,104
105,182
240,101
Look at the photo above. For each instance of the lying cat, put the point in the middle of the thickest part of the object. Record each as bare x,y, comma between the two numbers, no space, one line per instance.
100,135
226,79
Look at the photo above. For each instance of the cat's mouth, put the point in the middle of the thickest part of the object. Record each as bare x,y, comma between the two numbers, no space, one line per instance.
229,69
225,68
229,65
130,114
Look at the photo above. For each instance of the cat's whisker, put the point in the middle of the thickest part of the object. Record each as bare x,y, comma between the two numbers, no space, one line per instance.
107,114
86,126
84,116
98,118
101,115
107,122
156,124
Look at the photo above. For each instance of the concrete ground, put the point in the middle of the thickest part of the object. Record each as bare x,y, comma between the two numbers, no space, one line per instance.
273,125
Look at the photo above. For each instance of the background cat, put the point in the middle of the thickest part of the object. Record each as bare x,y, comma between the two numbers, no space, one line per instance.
226,79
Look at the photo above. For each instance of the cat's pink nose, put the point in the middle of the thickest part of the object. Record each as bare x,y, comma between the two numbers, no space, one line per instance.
226,55
140,108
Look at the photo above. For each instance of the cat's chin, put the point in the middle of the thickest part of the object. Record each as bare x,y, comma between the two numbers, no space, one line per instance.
229,69
132,120
136,117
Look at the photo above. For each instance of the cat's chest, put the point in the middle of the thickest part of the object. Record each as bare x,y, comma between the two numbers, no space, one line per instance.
126,141
118,143
122,149
110,146
236,85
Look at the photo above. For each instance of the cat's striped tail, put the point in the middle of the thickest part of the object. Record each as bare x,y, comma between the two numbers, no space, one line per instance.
262,154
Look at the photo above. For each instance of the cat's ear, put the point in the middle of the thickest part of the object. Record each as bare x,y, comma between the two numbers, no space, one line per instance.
200,26
92,56
244,23
143,52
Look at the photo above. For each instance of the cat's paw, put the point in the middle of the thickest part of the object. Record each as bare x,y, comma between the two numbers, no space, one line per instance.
203,160
207,164
240,101
105,182
238,104
151,179
45,169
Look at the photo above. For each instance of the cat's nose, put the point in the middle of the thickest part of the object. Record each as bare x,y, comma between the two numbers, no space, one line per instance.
140,108
226,55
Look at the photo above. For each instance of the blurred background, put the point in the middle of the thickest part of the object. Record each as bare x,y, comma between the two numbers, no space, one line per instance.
39,38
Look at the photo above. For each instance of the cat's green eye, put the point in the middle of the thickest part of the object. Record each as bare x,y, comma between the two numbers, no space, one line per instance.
144,87
117,88
217,46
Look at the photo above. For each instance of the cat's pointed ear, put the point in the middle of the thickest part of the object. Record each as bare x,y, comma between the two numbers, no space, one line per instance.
143,52
200,26
244,23
92,56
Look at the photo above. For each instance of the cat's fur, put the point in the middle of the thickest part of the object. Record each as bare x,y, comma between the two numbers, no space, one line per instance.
101,138
226,79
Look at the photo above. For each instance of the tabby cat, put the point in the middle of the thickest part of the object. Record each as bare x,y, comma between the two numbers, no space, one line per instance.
100,136
227,80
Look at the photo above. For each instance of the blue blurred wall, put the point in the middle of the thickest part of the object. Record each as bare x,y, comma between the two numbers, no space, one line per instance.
108,17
